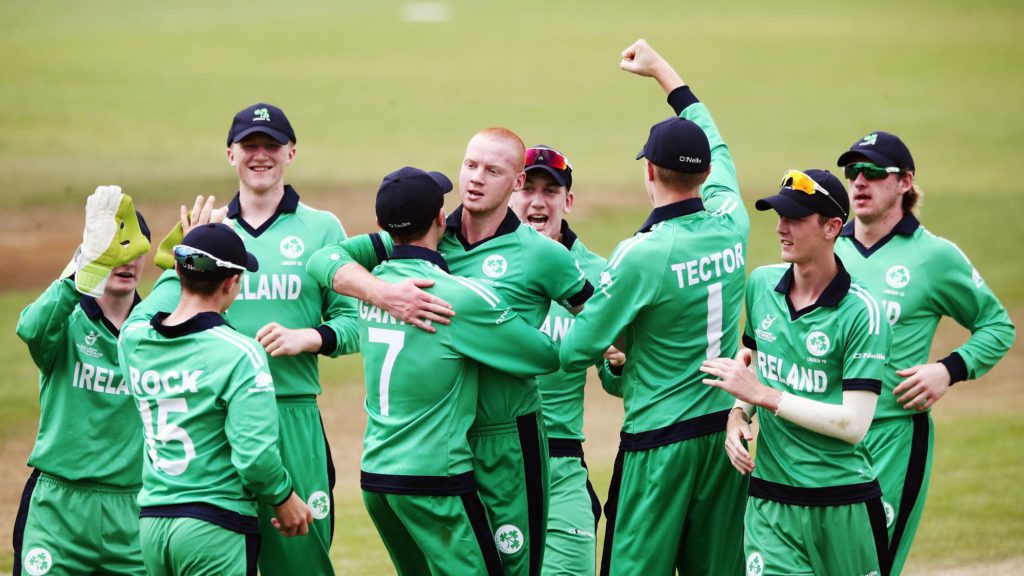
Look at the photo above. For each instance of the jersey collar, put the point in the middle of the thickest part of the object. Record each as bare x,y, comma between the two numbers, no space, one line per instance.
409,252
93,311
831,296
905,227
194,325
454,225
568,236
289,203
673,210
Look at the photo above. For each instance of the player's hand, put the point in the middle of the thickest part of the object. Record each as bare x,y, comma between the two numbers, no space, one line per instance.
293,517
202,212
614,356
924,384
407,302
737,379
643,60
745,355
737,434
280,341
112,238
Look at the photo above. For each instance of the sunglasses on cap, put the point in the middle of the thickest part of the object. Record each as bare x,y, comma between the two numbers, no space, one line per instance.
196,260
547,157
869,170
797,180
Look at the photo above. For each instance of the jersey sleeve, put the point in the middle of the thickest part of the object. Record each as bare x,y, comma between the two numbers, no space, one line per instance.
721,191
610,381
627,285
868,337
367,250
252,428
339,332
563,278
960,292
43,323
484,319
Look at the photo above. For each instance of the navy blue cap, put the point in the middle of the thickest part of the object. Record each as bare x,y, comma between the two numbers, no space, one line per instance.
410,197
265,118
220,242
678,145
881,148
793,203
143,226
541,157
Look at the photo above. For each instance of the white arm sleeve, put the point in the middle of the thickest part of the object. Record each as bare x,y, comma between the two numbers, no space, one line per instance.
748,409
848,421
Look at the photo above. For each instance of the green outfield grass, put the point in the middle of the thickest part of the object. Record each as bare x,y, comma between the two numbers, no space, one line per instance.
142,94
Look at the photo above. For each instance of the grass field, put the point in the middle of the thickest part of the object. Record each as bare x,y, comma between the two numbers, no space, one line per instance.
142,94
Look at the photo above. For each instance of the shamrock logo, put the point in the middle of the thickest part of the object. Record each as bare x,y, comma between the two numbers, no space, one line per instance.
509,539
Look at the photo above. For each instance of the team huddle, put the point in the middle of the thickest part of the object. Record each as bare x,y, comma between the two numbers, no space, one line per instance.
477,330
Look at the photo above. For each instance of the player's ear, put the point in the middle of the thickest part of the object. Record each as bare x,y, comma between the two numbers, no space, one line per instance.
291,154
520,181
441,218
231,155
650,170
568,202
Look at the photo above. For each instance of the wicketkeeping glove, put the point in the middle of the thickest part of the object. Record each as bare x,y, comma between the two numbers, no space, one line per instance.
112,238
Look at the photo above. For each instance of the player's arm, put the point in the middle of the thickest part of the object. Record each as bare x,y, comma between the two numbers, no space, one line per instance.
609,371
961,293
345,268
561,276
43,323
721,190
627,285
486,319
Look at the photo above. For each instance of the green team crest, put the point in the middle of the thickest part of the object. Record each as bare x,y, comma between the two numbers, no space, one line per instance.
755,564
897,277
869,140
38,562
261,115
319,504
509,539
818,343
292,247
495,266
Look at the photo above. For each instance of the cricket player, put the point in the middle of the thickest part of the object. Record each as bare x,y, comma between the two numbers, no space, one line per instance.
206,400
815,505
87,457
574,509
417,471
671,295
485,240
918,278
294,319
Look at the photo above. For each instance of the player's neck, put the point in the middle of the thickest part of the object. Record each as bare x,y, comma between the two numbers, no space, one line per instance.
116,307
477,227
811,278
191,304
870,230
258,206
661,196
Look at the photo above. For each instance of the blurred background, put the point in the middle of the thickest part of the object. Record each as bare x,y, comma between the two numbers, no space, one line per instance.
142,95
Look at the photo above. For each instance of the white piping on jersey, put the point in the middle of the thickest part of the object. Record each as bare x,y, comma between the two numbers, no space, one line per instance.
728,207
874,314
246,346
482,292
624,249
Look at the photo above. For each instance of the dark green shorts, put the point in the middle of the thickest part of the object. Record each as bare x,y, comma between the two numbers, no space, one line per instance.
784,539
510,460
66,527
677,506
901,450
306,456
174,546
434,534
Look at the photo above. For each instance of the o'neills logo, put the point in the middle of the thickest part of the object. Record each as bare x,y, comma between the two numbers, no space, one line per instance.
689,160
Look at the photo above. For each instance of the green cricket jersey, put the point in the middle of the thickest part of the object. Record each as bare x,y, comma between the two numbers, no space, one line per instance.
838,343
421,388
282,291
918,278
562,392
674,291
528,269
86,411
206,398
